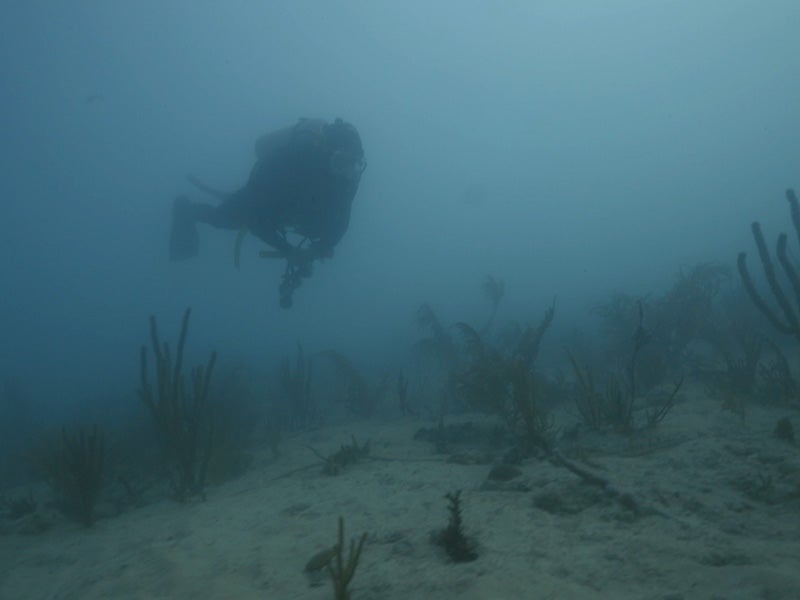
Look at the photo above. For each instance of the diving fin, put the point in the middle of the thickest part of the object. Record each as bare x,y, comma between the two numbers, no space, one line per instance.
183,241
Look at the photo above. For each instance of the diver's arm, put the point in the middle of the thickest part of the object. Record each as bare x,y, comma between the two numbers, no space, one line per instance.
272,235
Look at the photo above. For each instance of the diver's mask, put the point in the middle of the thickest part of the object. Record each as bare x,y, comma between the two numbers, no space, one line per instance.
347,165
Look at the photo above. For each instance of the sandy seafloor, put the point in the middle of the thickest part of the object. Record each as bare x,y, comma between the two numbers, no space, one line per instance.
723,521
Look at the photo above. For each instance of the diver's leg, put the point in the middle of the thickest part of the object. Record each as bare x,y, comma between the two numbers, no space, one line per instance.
231,214
203,187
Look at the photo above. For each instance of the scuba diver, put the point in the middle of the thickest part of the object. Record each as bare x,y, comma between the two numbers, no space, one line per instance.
303,183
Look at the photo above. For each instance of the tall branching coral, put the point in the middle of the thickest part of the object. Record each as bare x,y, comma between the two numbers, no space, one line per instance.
776,383
359,396
299,410
527,349
494,289
681,316
75,468
181,411
439,343
18,425
342,571
614,405
685,312
505,383
785,319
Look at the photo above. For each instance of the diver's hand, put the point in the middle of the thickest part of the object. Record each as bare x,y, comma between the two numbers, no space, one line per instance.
305,256
299,260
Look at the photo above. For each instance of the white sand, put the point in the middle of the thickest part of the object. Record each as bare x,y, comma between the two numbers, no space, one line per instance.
719,534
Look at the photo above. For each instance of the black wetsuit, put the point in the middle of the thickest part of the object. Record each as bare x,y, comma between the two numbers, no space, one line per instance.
291,188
